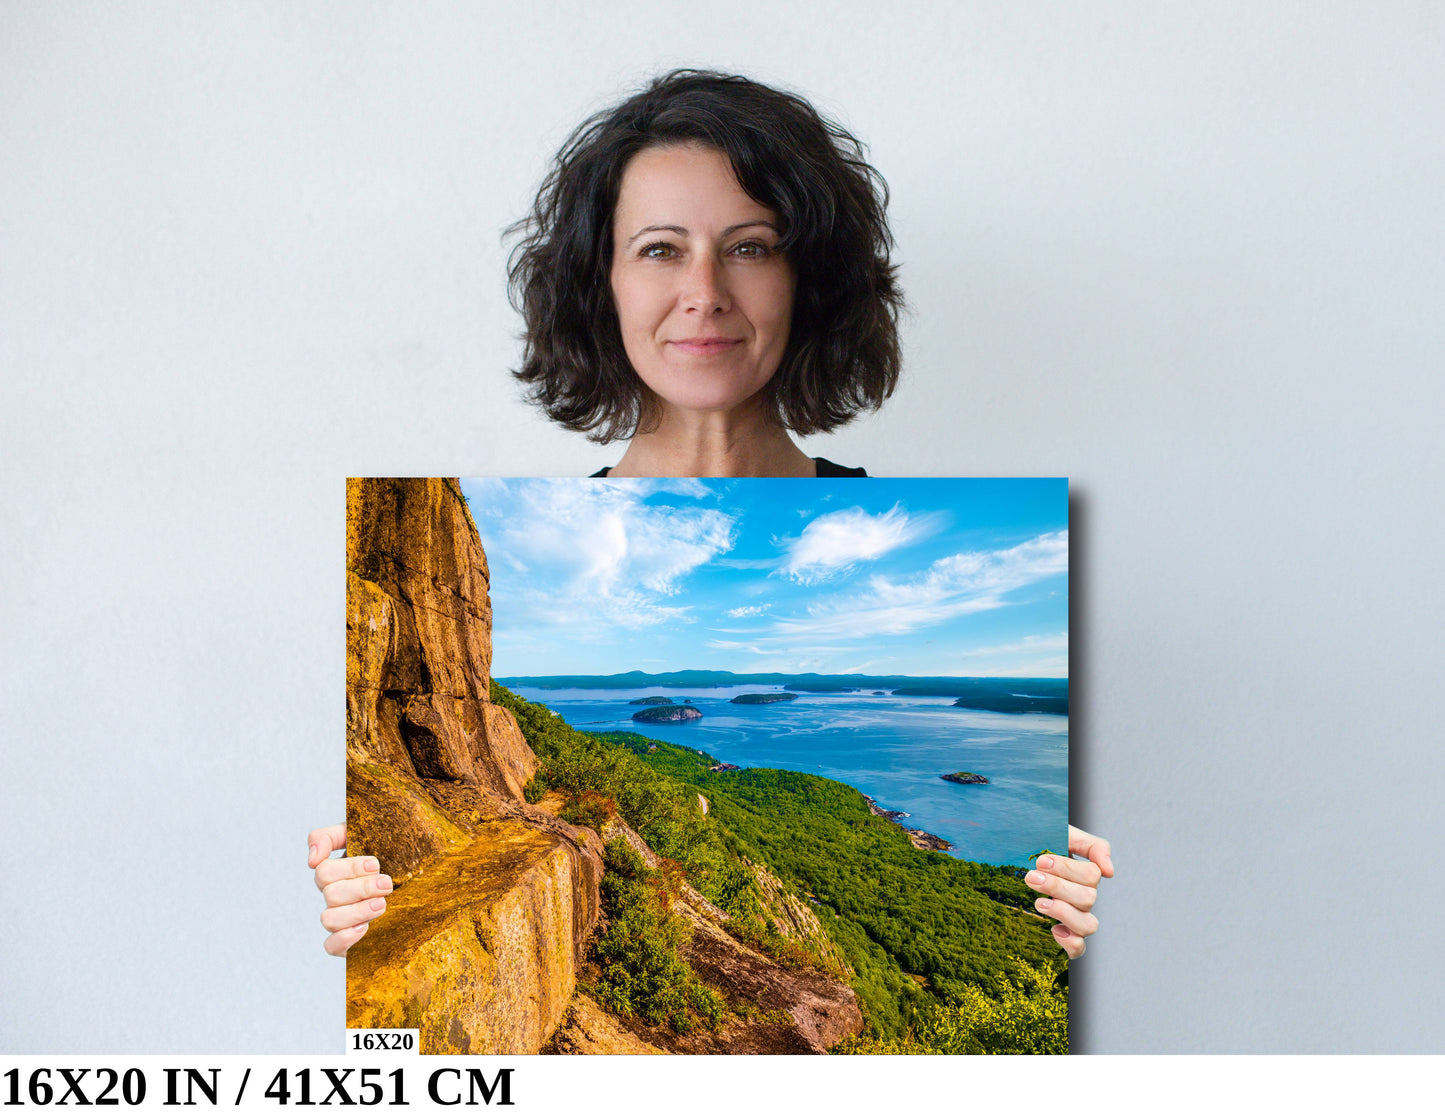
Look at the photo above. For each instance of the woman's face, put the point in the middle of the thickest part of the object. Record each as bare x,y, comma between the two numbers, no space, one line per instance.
703,296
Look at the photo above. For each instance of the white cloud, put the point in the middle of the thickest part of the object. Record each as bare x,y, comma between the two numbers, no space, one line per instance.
736,646
599,552
836,541
953,586
749,564
691,487
790,657
749,610
1029,645
862,668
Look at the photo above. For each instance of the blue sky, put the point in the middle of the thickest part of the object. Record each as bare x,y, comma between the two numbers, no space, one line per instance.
910,576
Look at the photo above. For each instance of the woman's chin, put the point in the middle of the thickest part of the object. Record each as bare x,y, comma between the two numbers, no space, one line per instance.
701,400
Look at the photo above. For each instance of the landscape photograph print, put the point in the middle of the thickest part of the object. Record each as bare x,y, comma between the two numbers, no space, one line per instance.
700,766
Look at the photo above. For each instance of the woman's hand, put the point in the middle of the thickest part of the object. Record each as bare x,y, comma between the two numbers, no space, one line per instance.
1070,887
354,888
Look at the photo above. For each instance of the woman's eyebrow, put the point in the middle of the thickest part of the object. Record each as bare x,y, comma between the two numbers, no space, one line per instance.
731,229
680,231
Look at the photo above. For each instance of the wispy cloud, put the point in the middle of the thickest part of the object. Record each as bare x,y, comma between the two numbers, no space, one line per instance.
953,586
1029,645
861,668
787,657
608,573
836,541
736,646
600,553
748,564
749,610
691,487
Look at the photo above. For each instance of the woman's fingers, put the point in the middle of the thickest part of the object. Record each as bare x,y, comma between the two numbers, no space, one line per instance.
349,915
350,890
355,888
322,843
342,941
1073,944
340,868
1079,923
1095,848
1070,868
1070,887
1065,879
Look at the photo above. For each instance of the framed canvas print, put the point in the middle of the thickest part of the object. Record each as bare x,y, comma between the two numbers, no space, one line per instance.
708,765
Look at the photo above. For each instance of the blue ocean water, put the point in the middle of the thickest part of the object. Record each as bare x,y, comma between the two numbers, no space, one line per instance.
893,748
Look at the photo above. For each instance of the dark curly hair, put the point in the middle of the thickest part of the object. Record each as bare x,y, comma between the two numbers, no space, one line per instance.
843,353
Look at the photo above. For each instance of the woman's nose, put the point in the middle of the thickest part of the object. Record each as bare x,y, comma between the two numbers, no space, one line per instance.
705,286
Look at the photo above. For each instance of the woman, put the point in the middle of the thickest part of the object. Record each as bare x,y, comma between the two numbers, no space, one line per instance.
705,273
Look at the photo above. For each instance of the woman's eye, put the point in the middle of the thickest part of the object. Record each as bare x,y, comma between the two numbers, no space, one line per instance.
751,249
658,251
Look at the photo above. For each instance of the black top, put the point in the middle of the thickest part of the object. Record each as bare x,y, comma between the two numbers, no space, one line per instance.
825,469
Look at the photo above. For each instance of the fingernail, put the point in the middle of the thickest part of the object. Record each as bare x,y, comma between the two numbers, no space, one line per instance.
1045,863
312,856
371,865
1043,903
383,883
1035,878
378,904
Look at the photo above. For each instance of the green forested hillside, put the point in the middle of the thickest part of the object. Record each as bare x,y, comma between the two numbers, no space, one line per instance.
931,938
898,913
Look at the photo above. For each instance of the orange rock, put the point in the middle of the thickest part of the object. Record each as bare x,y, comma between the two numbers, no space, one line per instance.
480,951
481,939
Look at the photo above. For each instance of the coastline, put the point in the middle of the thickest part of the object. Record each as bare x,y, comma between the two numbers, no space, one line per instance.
921,839
808,736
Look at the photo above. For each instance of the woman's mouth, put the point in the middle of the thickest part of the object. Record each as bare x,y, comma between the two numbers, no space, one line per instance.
705,346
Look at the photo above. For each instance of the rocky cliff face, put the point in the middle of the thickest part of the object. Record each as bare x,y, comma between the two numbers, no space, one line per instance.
496,899
795,920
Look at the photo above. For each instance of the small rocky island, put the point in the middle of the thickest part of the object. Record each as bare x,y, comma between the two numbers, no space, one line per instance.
653,715
964,777
652,700
764,699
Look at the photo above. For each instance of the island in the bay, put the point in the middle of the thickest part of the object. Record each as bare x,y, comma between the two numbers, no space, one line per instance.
652,700
653,715
764,699
964,777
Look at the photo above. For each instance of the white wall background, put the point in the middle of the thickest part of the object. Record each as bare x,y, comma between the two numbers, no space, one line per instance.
1189,255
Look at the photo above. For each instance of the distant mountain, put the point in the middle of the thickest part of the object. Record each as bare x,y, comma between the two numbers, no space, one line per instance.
1000,695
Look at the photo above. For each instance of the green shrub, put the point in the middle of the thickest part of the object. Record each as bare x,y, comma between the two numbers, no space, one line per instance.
1026,1014
641,972
588,808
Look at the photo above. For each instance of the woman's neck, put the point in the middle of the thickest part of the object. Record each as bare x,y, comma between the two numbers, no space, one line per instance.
743,443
